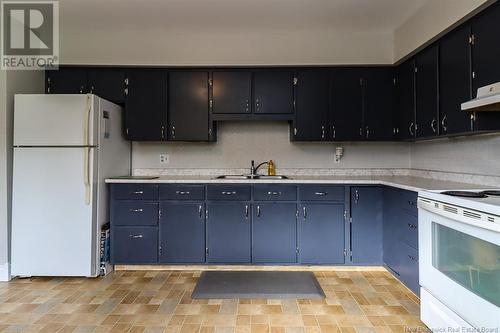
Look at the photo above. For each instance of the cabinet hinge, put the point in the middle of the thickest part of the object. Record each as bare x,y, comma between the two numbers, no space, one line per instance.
209,131
295,81
297,214
350,220
125,90
345,253
126,131
295,131
160,250
159,214
297,250
473,75
416,69
394,81
163,132
345,214
48,85
360,81
210,82
206,251
206,214
211,104
472,39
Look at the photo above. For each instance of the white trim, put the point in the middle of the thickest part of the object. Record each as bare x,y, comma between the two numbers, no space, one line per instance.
5,272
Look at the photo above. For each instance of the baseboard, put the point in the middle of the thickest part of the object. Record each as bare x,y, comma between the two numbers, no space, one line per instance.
245,268
5,272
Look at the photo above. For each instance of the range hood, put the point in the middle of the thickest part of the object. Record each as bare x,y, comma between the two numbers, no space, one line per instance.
488,99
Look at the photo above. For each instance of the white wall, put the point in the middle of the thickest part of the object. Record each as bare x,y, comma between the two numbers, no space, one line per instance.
430,20
166,47
11,82
240,142
475,155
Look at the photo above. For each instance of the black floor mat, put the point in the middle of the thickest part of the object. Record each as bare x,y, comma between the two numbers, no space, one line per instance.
251,284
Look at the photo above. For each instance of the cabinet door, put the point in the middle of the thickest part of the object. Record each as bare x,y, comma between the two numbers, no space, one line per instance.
146,105
378,93
427,92
485,55
321,233
66,80
273,91
232,92
405,100
182,232
228,226
188,106
347,105
311,106
108,84
274,233
366,226
454,81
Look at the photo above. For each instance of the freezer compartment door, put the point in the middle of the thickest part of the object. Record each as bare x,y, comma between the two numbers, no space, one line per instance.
55,120
53,212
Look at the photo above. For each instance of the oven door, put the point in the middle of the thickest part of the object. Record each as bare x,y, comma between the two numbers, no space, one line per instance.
460,267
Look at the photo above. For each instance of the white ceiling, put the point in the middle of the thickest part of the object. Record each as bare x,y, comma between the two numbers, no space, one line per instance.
178,15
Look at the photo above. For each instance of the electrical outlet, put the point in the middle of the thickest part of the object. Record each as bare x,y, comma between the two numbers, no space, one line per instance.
164,158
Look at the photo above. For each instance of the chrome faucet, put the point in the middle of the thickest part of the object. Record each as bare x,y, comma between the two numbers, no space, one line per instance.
254,169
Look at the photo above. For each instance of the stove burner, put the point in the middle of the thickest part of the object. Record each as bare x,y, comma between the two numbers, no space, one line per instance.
492,192
465,194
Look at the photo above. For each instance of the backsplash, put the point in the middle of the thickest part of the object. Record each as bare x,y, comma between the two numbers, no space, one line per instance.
240,142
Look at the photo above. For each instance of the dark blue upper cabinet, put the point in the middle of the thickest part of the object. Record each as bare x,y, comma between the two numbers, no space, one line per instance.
346,105
229,232
108,84
366,226
232,92
455,81
378,93
188,106
485,55
405,100
146,105
66,80
311,106
273,92
182,232
427,123
321,233
274,233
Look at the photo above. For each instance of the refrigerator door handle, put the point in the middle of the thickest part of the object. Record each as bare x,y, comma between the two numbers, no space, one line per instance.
86,123
86,176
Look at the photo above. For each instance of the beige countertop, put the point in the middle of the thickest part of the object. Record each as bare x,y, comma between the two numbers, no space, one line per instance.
403,182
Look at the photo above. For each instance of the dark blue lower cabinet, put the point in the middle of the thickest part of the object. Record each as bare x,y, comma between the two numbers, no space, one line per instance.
134,245
366,226
321,233
229,232
182,232
274,233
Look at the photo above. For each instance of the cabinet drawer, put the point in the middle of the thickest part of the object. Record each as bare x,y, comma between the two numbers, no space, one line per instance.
134,191
182,192
409,230
272,192
321,193
134,245
228,192
136,212
409,268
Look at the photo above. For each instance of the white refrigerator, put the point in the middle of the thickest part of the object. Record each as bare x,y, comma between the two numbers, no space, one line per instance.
64,148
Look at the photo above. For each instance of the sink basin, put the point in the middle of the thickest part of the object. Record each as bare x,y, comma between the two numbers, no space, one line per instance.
237,177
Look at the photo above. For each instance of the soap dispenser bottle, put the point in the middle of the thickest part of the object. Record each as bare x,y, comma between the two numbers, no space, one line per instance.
271,168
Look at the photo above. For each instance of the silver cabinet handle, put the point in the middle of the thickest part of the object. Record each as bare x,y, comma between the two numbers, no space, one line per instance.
304,212
182,192
367,132
320,193
410,129
258,211
412,203
138,192
137,210
412,226
200,211
443,124
322,132
246,211
228,192
136,236
433,125
356,196
273,193
412,258
334,134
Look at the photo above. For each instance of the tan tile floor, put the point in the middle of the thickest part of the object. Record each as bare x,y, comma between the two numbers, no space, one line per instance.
159,301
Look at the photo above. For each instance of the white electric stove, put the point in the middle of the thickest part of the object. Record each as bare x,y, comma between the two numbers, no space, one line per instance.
459,260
